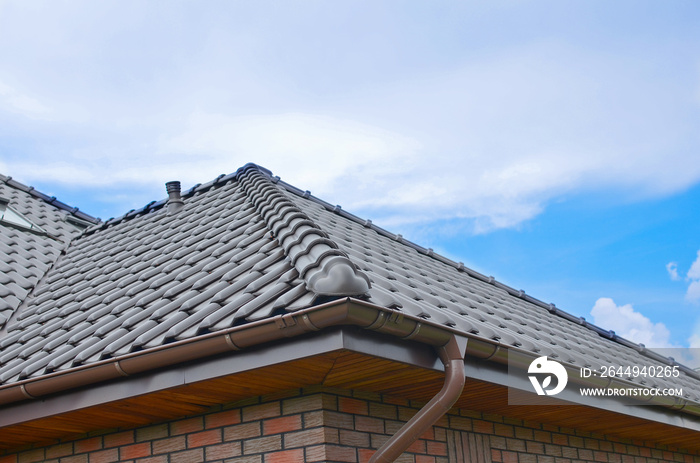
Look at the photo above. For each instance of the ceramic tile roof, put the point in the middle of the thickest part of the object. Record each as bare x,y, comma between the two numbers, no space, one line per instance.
25,254
247,246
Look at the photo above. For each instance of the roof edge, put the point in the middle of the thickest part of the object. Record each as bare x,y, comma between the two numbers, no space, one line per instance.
341,312
74,211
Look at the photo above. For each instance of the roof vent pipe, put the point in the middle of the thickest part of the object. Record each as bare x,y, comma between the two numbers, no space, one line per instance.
175,202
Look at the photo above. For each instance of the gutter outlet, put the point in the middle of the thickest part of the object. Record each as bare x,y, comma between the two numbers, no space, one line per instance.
452,356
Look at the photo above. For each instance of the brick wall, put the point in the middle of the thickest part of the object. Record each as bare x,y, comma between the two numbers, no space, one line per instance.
331,425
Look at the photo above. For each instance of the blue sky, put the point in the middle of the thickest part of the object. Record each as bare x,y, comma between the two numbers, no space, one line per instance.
553,145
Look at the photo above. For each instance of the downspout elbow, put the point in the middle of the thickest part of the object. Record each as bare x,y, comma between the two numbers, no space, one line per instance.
452,356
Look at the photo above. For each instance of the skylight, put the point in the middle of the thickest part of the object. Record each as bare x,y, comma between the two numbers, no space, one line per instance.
12,217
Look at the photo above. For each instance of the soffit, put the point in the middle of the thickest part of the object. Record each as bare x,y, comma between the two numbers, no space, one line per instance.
338,371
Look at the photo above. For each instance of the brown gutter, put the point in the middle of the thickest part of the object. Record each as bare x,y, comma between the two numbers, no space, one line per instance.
342,312
452,356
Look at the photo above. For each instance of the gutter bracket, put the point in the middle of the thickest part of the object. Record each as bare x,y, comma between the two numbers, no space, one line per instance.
452,355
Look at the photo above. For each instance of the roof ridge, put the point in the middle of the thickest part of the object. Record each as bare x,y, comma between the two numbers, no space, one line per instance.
8,180
326,269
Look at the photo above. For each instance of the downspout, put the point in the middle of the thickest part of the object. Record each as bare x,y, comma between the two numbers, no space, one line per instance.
452,356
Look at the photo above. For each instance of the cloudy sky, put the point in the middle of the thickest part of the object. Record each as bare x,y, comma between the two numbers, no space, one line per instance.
554,145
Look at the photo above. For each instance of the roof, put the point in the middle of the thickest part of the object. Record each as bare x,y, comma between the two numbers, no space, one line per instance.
247,247
26,252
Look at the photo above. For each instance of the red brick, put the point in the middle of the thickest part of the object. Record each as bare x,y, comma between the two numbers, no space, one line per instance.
88,445
524,433
118,439
353,406
200,439
354,438
190,456
424,459
307,403
417,447
484,427
336,420
135,451
285,456
9,459
223,451
316,453
515,445
504,430
386,411
553,450
262,444
61,450
364,455
437,448
463,424
606,446
242,431
534,447
159,459
75,459
152,433
593,444
226,418
172,444
305,438
509,457
619,448
368,424
104,456
560,439
31,456
338,453
282,424
186,426
262,411
396,401
496,456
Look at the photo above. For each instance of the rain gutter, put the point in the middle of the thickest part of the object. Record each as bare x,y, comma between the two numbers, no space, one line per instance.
341,312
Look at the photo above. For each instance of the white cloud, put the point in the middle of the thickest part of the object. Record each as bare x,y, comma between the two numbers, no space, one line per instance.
311,151
630,324
694,271
672,269
17,102
693,276
400,129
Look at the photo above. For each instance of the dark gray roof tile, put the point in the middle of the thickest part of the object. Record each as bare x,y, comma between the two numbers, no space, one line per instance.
243,248
123,344
157,335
